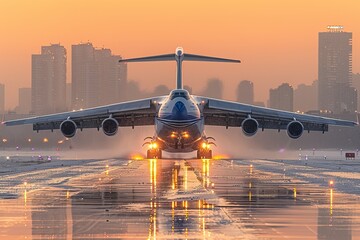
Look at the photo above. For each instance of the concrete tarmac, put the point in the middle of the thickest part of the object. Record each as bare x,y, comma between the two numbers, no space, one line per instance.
172,199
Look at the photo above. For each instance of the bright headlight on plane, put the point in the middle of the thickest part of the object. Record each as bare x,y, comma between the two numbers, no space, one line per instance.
203,145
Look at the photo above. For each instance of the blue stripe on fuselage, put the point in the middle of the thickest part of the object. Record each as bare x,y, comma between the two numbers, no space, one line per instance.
179,112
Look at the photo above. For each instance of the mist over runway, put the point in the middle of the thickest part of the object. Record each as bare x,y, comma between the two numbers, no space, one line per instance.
119,198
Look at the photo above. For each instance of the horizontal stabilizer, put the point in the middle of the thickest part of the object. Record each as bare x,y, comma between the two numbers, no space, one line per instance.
165,57
183,57
193,57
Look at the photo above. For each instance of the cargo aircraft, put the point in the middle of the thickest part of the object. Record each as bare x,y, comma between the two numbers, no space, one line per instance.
180,118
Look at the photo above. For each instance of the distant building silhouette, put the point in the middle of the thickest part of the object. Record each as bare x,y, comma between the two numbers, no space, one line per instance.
24,106
2,98
48,80
259,104
356,84
161,90
335,68
282,97
133,91
214,88
245,92
305,97
68,96
188,88
97,76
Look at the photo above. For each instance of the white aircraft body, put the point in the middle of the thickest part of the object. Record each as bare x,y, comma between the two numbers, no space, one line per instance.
180,118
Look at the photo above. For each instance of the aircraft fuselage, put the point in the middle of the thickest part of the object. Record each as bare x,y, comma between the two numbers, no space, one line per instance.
179,124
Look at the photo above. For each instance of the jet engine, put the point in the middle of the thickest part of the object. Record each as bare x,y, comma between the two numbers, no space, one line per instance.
249,126
295,129
68,128
110,126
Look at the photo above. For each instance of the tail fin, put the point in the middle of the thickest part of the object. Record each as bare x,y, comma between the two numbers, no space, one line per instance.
179,57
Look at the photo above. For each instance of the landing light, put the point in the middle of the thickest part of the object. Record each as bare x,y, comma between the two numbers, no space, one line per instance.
136,157
331,183
203,145
153,145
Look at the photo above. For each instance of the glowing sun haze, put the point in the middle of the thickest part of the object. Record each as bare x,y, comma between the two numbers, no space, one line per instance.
276,40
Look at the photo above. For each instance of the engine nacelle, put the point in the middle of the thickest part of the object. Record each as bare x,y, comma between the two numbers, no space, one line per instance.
295,129
110,126
249,127
68,128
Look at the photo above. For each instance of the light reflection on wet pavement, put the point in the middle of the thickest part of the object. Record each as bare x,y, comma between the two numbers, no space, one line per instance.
193,199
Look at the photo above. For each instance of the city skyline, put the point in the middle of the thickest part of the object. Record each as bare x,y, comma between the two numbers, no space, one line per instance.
104,66
272,50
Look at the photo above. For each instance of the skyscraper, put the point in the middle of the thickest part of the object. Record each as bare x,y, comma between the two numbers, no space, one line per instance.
245,92
282,97
306,97
2,98
335,71
48,80
24,101
83,79
97,76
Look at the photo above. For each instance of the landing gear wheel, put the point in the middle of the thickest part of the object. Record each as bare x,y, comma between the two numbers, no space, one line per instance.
154,153
207,153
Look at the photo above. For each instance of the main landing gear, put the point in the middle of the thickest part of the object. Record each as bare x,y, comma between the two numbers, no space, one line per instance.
204,153
154,153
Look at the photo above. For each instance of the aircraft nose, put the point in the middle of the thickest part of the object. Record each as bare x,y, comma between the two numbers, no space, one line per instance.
179,106
179,111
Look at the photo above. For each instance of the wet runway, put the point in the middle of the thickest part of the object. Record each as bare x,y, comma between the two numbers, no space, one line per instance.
176,199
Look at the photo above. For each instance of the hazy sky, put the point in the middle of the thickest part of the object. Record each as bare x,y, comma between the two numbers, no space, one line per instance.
276,40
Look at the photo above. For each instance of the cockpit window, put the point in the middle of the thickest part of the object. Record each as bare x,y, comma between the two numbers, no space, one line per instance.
179,94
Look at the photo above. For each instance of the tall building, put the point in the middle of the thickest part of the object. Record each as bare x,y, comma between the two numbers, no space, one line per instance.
282,97
306,97
48,80
24,101
68,96
2,98
97,76
356,84
214,88
245,92
335,71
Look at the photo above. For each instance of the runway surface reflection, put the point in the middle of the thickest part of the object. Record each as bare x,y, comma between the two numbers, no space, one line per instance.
161,199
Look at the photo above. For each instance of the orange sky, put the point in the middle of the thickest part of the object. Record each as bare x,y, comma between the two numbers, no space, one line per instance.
276,40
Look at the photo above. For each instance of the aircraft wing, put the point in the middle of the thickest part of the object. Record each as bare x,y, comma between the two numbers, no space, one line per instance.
134,113
231,114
